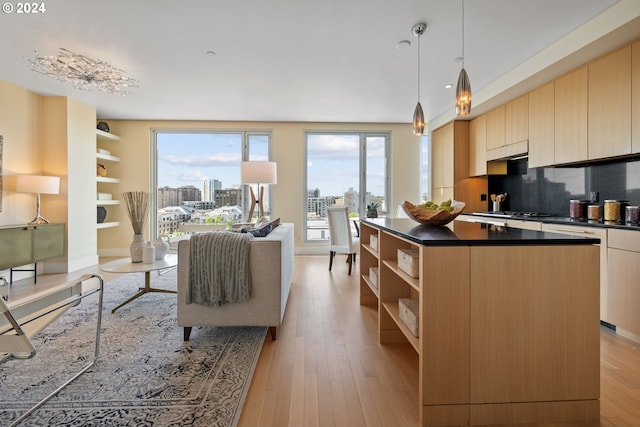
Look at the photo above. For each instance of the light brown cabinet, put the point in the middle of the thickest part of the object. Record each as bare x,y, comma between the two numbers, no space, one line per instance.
369,259
450,158
635,97
571,117
508,129
478,146
496,128
541,126
609,108
599,233
623,273
517,120
487,345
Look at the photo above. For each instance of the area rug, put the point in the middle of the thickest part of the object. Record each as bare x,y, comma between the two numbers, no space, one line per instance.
146,374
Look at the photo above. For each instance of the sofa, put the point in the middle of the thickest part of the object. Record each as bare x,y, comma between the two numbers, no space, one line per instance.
271,270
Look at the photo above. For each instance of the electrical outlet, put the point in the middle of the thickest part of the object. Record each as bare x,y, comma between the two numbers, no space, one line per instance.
483,197
594,196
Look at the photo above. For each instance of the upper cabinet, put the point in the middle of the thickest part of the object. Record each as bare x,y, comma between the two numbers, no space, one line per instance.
541,126
571,117
635,97
517,120
508,129
496,128
478,146
450,151
609,107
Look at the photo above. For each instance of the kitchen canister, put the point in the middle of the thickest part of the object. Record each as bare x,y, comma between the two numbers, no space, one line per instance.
612,210
632,215
577,209
594,212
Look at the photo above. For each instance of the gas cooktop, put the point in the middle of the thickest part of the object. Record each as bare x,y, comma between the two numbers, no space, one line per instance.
512,214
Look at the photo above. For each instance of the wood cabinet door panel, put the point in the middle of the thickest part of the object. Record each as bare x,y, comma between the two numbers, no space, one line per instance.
496,128
541,126
517,120
624,292
478,146
571,117
610,105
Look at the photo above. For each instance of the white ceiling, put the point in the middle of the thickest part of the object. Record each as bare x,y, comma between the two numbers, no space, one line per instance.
304,60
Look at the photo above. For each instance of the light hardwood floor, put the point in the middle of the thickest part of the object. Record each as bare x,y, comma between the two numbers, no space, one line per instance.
327,369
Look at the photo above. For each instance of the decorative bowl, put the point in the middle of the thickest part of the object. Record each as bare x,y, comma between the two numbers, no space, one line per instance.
430,216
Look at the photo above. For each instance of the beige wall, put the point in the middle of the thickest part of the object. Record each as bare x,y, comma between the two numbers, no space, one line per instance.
51,136
134,149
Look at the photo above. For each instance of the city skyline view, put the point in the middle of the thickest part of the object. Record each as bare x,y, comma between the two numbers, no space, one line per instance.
332,166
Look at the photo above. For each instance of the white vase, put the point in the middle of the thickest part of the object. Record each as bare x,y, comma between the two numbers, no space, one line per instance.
135,248
161,246
148,253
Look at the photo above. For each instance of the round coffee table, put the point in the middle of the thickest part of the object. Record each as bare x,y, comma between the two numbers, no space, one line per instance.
126,266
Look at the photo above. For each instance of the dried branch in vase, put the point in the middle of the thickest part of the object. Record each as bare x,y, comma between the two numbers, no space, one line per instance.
137,205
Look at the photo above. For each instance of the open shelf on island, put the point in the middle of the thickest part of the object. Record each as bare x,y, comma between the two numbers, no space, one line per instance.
394,311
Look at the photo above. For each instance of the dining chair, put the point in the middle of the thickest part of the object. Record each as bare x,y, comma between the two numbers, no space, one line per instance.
341,239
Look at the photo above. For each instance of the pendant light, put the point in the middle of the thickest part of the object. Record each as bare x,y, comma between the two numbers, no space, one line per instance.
463,89
418,115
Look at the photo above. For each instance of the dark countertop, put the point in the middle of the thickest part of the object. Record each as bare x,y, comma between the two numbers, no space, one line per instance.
460,233
565,221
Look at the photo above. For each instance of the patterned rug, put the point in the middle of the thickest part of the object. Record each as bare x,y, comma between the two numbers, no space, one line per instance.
145,375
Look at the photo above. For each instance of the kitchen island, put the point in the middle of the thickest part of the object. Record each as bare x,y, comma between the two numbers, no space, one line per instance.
508,319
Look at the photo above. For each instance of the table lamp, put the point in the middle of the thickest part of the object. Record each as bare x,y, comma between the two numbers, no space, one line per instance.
38,184
258,173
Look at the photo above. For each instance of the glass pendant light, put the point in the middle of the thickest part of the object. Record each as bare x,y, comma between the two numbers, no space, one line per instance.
418,115
463,89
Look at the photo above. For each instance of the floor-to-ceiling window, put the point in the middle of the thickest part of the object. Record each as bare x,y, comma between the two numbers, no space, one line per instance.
344,168
197,177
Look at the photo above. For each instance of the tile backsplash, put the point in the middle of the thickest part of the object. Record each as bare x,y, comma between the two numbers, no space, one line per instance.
549,190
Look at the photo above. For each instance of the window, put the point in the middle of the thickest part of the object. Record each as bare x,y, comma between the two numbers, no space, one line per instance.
349,169
197,177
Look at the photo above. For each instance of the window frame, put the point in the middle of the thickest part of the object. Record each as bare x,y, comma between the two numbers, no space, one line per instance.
246,134
362,162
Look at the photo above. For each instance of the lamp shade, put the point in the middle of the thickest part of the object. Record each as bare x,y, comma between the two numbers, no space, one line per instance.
38,184
258,172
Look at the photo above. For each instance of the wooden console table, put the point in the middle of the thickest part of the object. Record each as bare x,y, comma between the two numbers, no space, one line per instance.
28,244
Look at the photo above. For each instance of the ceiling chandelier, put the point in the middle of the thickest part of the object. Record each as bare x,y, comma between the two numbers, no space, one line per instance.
463,89
418,115
83,72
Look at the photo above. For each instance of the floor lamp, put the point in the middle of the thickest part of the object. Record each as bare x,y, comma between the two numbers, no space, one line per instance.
258,173
38,184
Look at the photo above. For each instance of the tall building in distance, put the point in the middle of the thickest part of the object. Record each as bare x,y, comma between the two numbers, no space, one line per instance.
209,188
188,193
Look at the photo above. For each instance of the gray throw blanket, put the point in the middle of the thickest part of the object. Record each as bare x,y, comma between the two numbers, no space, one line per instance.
219,267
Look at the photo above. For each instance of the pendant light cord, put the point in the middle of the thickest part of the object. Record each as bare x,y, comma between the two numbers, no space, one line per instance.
462,33
419,37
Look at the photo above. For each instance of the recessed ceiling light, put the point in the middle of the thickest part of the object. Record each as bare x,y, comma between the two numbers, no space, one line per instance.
448,86
458,59
211,52
403,44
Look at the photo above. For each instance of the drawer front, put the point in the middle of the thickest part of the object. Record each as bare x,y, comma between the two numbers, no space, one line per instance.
628,240
15,247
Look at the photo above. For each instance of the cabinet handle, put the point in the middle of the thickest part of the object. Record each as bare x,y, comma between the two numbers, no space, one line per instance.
571,231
